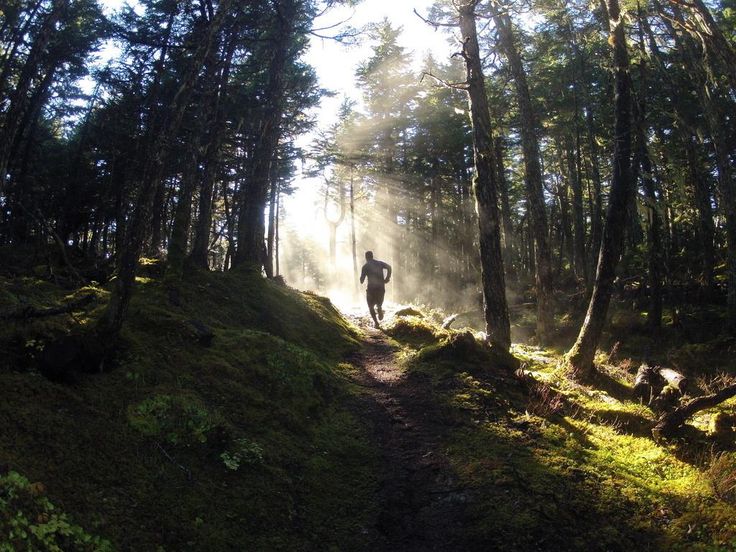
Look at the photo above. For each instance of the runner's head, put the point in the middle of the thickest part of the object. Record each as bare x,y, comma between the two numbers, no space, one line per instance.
369,255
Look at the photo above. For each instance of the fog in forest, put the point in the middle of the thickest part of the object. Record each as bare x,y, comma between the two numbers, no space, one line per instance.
363,194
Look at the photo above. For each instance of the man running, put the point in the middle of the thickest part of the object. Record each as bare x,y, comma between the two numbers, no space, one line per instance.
373,270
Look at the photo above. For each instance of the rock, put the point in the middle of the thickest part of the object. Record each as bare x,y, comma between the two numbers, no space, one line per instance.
201,332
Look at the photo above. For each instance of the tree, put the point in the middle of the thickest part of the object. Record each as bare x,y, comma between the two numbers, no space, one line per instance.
580,356
160,133
529,129
485,186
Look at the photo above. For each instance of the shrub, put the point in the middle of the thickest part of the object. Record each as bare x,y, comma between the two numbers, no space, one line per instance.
177,420
722,476
29,521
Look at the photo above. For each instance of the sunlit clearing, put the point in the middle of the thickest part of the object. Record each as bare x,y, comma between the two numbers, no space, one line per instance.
434,263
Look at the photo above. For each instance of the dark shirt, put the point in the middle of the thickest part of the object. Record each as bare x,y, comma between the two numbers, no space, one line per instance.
373,270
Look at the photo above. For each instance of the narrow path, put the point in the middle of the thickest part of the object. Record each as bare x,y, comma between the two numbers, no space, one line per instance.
421,508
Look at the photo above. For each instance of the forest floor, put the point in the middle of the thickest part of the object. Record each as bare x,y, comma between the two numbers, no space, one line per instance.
293,427
473,459
421,508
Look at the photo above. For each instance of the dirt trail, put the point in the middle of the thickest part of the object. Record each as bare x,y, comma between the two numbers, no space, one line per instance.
421,507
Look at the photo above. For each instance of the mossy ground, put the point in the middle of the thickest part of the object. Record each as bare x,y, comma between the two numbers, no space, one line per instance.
253,442
553,465
245,444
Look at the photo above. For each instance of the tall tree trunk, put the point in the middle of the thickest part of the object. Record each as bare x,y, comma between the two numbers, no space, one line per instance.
596,216
251,224
716,45
580,357
701,186
183,215
578,216
567,245
532,176
276,244
508,229
213,152
703,203
496,313
160,137
271,232
353,246
643,162
716,105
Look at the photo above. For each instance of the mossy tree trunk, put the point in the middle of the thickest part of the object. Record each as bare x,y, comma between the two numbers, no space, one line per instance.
485,187
580,357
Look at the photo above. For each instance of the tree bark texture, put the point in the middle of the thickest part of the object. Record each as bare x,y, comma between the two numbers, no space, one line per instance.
580,357
496,313
251,247
532,176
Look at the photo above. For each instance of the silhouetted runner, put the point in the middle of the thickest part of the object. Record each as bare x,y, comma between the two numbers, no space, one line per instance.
373,270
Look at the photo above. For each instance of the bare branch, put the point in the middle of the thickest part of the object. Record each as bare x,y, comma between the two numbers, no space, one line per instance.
328,27
431,23
672,421
454,85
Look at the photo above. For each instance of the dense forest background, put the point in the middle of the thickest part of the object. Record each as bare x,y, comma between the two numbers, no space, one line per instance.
185,146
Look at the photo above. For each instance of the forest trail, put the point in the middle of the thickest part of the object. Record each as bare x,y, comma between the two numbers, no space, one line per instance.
421,508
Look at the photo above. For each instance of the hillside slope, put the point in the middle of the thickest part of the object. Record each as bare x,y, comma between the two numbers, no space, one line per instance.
240,443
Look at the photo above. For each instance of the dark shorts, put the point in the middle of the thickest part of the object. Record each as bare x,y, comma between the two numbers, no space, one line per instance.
374,296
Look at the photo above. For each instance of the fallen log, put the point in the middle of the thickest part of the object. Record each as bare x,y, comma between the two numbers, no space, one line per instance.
28,311
652,381
669,423
674,378
646,383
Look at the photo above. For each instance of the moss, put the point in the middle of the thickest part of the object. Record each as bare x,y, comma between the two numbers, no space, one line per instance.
585,476
245,442
413,331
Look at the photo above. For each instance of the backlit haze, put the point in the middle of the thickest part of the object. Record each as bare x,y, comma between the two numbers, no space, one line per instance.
304,258
304,228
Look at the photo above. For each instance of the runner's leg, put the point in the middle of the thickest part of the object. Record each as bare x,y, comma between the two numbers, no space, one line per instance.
379,300
371,303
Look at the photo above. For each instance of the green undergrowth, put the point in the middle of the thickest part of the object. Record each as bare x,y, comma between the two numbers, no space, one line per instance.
240,441
547,464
